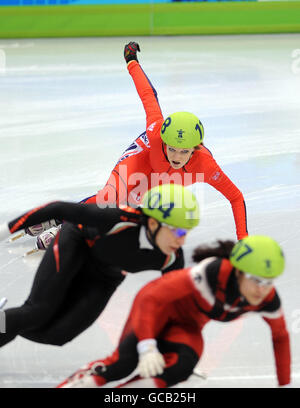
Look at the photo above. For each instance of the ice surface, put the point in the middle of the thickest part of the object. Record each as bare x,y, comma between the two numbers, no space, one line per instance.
68,109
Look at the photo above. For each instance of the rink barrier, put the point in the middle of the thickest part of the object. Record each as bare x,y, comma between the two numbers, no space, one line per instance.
150,19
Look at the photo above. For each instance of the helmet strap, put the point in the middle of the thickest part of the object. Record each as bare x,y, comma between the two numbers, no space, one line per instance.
163,147
152,235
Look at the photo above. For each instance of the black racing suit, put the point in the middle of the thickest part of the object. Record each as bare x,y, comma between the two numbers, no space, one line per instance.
81,269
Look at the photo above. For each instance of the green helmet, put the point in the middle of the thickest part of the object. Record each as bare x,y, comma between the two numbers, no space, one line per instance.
182,130
258,255
172,204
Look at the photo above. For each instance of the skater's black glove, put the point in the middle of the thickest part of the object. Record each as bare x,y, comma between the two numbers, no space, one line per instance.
130,51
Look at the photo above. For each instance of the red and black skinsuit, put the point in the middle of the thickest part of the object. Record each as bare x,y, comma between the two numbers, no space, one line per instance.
175,308
81,269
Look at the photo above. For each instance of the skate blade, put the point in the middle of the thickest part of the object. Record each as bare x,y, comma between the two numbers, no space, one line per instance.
200,374
32,251
3,302
18,236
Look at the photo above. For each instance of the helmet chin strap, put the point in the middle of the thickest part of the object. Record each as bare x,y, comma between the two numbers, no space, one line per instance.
152,235
164,146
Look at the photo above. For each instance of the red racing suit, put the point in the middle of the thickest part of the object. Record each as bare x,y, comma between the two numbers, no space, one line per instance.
177,306
145,164
174,309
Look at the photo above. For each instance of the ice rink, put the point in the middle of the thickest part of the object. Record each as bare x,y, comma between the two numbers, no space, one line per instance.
68,109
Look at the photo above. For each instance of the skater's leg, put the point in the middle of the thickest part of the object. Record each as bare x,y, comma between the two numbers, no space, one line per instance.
59,266
83,304
115,367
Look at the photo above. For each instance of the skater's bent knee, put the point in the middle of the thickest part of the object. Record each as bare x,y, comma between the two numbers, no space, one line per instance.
182,367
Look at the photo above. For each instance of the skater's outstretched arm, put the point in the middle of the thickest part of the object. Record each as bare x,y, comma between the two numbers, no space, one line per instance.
87,215
144,87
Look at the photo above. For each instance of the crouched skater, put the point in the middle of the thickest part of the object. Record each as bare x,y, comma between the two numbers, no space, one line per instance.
84,265
162,337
